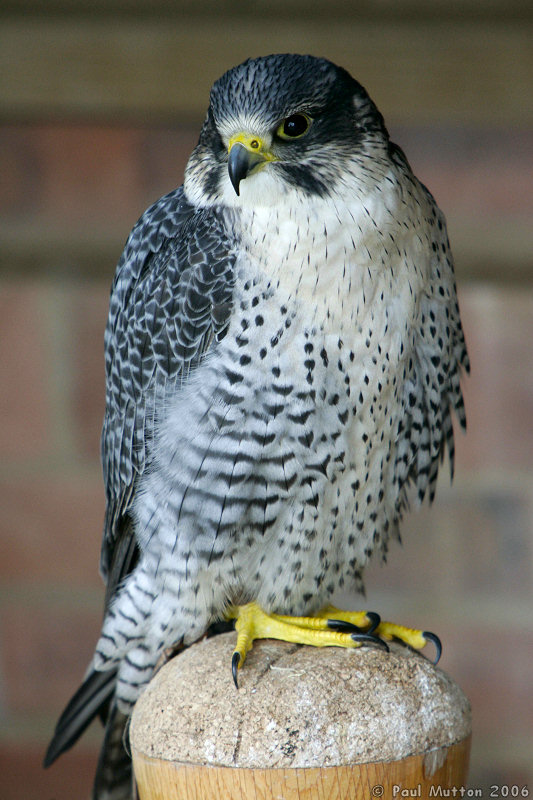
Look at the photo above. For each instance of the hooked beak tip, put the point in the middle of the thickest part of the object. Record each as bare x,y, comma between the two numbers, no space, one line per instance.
241,162
238,165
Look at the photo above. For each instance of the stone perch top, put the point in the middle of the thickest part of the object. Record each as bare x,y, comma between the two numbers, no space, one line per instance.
297,707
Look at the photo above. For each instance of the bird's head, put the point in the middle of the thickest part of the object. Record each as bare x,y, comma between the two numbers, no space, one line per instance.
281,123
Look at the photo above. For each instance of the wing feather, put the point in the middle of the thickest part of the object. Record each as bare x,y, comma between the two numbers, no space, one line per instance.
172,295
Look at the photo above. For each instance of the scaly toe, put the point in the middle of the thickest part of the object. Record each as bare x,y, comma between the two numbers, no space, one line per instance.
416,639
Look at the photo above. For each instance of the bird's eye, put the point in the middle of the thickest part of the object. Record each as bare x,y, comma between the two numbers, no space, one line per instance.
294,126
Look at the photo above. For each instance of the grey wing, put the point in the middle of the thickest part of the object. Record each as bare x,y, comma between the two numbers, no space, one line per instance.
433,393
442,357
438,357
171,297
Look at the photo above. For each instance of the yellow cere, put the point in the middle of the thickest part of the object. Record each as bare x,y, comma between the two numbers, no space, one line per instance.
252,143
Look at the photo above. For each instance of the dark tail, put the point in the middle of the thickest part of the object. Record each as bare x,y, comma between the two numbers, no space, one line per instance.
113,779
91,699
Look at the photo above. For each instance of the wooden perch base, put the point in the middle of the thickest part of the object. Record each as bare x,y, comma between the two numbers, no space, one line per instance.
306,723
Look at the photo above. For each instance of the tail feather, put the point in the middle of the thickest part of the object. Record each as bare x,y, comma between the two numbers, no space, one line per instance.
113,780
84,706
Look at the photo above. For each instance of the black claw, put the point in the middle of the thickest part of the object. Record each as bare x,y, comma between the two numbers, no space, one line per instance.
236,657
348,627
375,619
343,627
432,637
368,638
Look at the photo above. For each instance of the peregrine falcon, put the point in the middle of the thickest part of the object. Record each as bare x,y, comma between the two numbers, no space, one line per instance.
283,358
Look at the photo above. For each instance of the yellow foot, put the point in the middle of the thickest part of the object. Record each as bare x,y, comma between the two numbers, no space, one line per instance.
384,630
329,628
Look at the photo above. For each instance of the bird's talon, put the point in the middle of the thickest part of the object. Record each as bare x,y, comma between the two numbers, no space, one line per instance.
343,627
375,620
432,637
235,661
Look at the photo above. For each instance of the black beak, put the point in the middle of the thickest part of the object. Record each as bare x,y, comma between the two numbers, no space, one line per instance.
241,162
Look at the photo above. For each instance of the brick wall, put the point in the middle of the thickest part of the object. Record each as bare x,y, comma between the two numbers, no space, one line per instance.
71,189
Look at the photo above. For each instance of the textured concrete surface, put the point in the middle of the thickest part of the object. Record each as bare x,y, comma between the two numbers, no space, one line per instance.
297,707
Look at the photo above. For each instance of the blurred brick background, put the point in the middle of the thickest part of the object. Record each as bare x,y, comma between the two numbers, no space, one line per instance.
100,105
